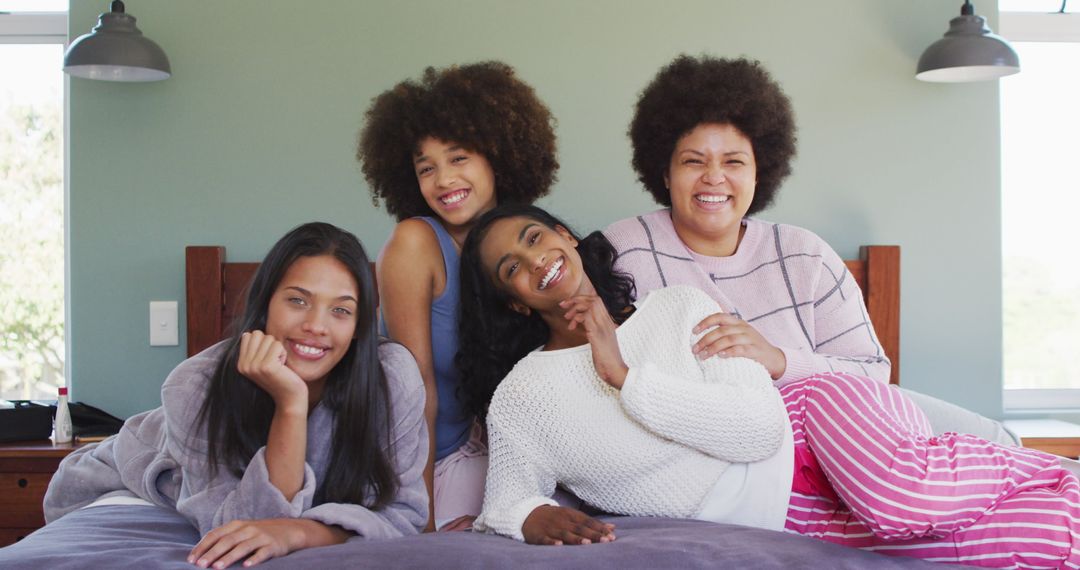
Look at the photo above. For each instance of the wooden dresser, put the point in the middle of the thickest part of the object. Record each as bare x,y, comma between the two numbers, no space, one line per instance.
1052,436
25,471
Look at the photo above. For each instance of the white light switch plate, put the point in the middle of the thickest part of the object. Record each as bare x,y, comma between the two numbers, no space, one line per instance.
164,323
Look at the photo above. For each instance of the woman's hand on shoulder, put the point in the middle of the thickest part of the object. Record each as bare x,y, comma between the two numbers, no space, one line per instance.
561,525
589,312
261,540
732,336
262,360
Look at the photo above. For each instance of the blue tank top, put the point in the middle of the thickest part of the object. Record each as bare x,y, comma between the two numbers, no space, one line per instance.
452,422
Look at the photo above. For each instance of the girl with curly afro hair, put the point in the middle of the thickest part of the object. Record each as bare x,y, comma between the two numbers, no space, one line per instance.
439,152
713,139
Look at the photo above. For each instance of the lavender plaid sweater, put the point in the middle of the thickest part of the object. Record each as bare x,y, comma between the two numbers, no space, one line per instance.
785,281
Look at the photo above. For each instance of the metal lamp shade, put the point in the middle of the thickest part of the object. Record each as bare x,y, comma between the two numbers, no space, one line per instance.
968,52
115,50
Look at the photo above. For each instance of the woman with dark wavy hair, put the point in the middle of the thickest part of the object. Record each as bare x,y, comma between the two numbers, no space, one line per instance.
614,404
302,429
496,334
439,152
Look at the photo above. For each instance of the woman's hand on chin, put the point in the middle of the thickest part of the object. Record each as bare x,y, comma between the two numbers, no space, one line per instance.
562,525
589,313
732,336
260,541
262,360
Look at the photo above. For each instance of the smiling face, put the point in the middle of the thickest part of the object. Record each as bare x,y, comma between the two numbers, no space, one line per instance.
536,265
711,178
313,313
458,185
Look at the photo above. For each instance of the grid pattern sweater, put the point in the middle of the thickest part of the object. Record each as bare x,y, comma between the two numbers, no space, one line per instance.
783,280
654,448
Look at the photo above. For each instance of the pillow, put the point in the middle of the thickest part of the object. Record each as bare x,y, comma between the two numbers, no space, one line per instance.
945,417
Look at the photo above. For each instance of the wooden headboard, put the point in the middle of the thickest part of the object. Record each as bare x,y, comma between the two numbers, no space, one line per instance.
215,295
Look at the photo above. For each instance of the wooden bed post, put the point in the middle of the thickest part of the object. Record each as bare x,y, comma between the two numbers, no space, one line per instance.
216,294
883,299
205,283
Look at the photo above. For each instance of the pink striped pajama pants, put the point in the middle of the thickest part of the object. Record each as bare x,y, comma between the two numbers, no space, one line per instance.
952,498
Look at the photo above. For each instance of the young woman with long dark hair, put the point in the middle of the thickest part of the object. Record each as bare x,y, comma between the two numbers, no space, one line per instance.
302,429
615,404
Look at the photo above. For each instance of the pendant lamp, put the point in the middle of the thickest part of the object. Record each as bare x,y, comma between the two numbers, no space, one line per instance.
115,50
970,51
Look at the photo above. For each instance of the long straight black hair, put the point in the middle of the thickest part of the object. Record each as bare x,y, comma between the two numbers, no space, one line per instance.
492,336
237,412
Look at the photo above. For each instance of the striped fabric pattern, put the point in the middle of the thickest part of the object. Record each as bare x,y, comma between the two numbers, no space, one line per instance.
951,498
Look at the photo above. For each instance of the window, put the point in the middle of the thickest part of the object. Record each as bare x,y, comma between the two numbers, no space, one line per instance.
32,347
1040,198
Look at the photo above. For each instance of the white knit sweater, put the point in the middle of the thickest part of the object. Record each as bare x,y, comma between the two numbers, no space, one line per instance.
654,449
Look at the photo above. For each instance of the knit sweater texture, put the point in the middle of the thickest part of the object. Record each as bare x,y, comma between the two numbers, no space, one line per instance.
783,280
655,448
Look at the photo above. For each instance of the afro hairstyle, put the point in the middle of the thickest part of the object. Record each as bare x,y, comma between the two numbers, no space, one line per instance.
692,91
483,107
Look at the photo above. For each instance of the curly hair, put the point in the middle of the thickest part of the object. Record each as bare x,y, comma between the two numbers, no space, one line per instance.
484,108
492,336
691,91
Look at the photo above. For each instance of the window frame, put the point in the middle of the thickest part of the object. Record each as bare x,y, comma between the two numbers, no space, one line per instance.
33,27
1050,28
51,28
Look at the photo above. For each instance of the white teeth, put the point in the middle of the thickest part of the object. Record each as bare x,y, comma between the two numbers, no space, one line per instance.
711,199
454,198
551,273
304,349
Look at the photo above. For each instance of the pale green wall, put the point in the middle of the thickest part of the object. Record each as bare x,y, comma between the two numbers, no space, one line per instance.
254,134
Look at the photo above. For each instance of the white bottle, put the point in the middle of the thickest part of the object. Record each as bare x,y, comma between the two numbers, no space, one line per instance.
62,424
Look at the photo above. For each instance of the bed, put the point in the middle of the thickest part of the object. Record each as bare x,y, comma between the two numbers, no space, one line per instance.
154,537
215,295
147,536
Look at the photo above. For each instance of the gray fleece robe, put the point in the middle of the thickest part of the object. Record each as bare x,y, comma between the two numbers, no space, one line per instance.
161,456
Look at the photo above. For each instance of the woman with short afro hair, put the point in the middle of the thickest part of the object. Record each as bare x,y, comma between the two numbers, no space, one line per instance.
439,152
713,139
694,91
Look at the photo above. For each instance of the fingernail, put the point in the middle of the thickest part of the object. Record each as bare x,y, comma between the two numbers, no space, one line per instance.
586,541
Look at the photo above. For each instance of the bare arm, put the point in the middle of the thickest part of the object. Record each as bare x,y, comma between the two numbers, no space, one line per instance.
410,276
